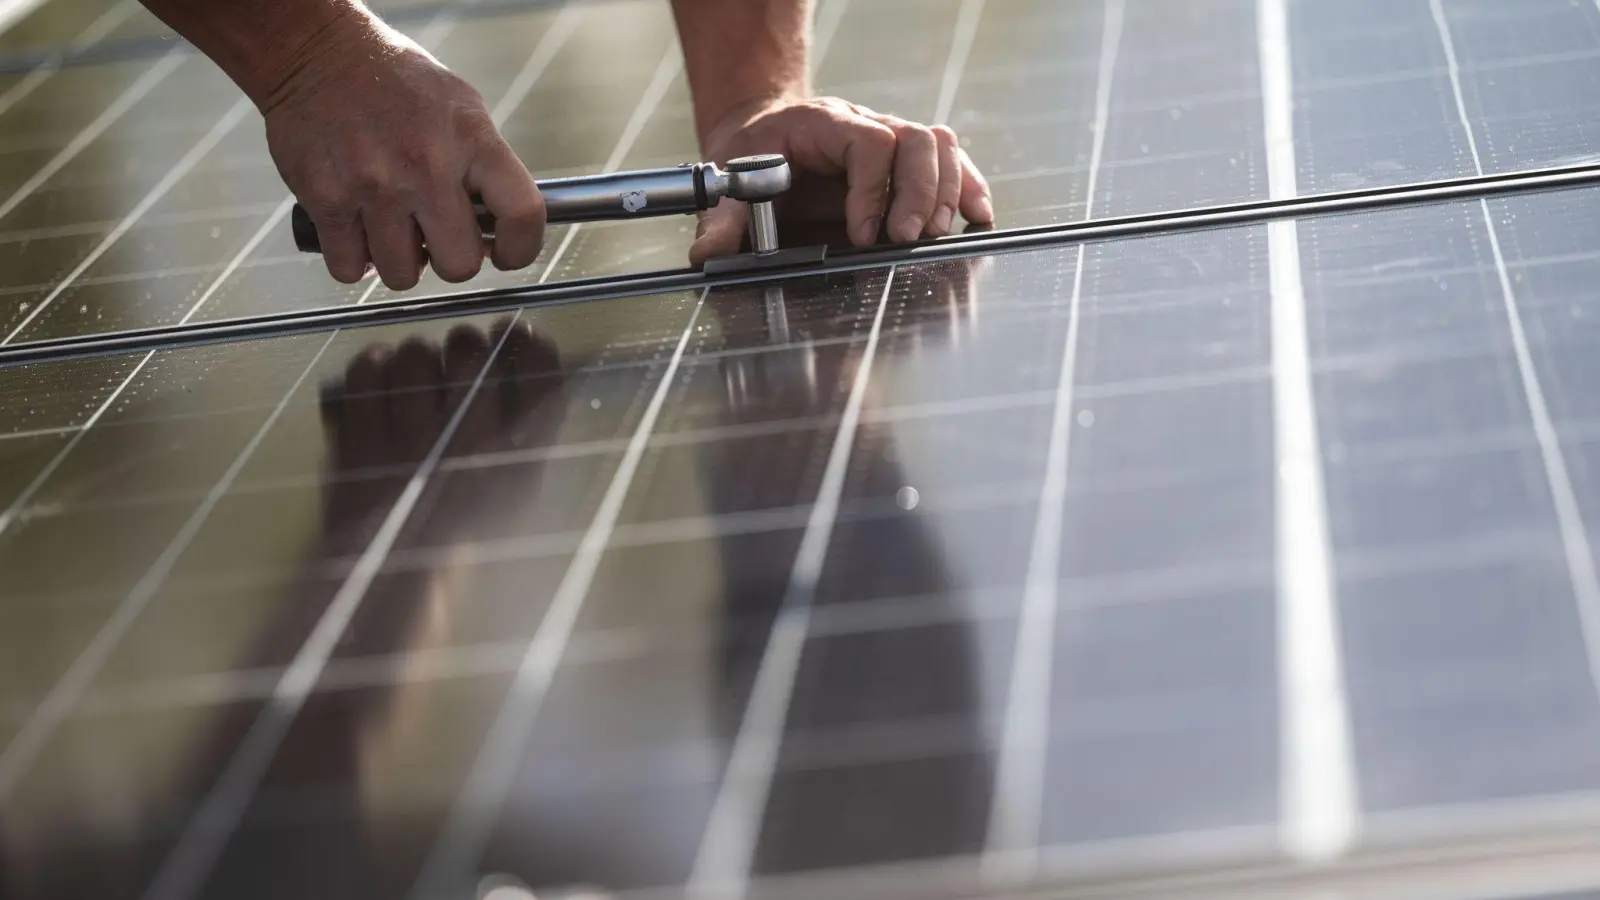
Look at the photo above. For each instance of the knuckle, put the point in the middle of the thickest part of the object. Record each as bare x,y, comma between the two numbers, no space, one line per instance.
919,135
945,135
330,199
878,137
473,122
524,212
430,162
373,178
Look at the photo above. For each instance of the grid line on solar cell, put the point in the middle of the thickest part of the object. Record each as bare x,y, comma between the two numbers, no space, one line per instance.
130,97
432,34
181,168
19,753
956,64
997,494
94,33
1368,454
474,813
103,409
1394,353
175,218
727,849
885,613
878,614
187,865
190,861
1574,531
549,44
1016,813
1318,800
726,855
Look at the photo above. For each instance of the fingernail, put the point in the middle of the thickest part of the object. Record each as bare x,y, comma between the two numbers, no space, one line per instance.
986,209
869,231
911,227
942,217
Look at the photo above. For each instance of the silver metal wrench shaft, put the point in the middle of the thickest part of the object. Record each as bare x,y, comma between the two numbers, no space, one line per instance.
680,190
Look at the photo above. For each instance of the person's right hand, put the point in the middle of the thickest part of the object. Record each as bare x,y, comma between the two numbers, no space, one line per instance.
385,148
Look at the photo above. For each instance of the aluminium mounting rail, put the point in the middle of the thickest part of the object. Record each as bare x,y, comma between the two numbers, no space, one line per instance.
979,243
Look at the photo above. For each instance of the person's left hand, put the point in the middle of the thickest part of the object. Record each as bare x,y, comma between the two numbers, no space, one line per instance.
852,164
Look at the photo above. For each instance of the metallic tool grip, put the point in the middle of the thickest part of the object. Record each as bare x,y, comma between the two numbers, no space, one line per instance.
680,190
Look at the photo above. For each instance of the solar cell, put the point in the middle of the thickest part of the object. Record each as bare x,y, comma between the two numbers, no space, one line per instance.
1199,554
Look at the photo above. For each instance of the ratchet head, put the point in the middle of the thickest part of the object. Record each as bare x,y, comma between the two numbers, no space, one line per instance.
756,179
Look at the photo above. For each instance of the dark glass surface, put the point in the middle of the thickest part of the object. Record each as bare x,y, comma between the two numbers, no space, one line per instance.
670,591
233,520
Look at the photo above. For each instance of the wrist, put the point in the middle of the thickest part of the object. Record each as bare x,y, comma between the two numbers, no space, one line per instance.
732,117
271,64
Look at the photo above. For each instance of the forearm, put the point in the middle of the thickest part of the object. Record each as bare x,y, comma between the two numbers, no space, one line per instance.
738,53
261,43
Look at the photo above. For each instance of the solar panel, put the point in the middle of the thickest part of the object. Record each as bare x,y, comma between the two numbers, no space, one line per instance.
1240,561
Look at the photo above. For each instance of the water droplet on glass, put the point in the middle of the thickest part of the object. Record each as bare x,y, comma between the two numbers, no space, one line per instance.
1086,418
907,497
595,403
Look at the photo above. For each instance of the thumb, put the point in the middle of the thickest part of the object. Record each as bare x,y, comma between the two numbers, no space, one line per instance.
720,231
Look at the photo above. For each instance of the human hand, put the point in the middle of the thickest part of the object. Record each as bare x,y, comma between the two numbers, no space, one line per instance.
851,164
385,148
391,405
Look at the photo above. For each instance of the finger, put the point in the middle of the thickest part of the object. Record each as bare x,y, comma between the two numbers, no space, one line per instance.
344,246
363,414
395,242
916,179
516,351
719,232
517,366
455,243
416,400
512,197
865,149
950,178
977,204
466,352
529,353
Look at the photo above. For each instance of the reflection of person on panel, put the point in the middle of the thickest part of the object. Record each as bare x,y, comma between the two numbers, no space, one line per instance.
349,749
890,553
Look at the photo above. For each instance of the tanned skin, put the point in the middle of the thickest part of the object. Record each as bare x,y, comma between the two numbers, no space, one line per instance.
385,147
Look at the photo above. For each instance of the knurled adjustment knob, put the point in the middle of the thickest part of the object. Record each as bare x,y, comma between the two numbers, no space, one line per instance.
755,163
